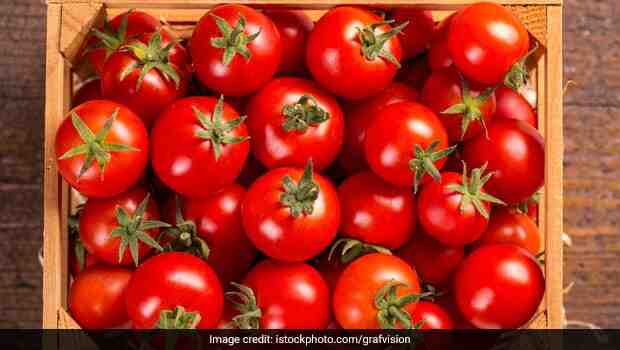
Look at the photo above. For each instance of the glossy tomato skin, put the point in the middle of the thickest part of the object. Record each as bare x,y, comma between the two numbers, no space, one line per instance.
510,104
515,153
481,51
241,77
294,28
290,295
376,212
507,225
499,286
96,297
275,147
439,52
174,279
432,315
185,162
335,59
418,33
124,169
271,226
90,90
391,138
353,299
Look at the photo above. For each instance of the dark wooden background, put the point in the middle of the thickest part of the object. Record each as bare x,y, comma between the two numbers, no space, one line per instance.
592,160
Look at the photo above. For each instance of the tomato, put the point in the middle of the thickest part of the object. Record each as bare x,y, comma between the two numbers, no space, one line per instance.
101,148
499,286
376,291
433,261
174,291
431,316
292,120
121,229
418,33
510,104
464,111
79,259
358,118
199,145
353,53
376,212
414,73
90,90
294,28
285,295
331,267
507,225
291,214
485,40
148,76
405,143
96,297
515,154
439,52
235,49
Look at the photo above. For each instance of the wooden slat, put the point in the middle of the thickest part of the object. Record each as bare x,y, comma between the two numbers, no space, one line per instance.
77,19
312,3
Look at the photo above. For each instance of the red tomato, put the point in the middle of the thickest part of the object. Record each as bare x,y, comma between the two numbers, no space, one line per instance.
510,104
352,53
294,28
515,154
96,297
359,117
485,41
414,73
376,212
439,53
199,145
499,286
121,229
369,291
174,291
287,295
464,111
507,225
291,121
405,143
90,90
95,128
431,316
291,214
418,33
235,49
434,262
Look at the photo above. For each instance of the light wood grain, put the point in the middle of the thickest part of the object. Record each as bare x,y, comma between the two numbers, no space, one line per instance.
317,3
77,19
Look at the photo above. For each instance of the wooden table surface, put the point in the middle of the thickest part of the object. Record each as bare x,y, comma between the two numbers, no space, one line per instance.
592,160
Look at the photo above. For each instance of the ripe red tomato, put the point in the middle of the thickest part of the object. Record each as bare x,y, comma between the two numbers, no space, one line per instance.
353,53
499,286
199,145
414,73
291,214
235,49
464,111
431,316
96,297
439,53
101,148
507,225
359,116
510,104
515,154
418,33
174,291
370,292
288,296
90,90
294,28
485,41
376,212
291,121
406,144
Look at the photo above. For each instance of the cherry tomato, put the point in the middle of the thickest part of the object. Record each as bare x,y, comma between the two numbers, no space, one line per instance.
414,73
291,214
235,49
199,145
294,28
510,104
515,154
507,225
96,297
439,52
418,33
499,286
90,90
353,53
431,316
291,121
98,128
174,291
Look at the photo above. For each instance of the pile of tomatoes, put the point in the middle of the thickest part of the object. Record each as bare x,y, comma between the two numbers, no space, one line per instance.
374,169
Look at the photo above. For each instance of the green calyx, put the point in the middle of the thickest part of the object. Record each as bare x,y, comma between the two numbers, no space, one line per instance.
94,147
517,75
178,318
353,249
302,114
216,129
391,308
244,301
300,197
184,236
524,206
110,39
469,107
132,229
471,190
424,162
373,43
233,40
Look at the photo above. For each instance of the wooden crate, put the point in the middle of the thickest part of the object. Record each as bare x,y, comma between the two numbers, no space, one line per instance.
69,21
